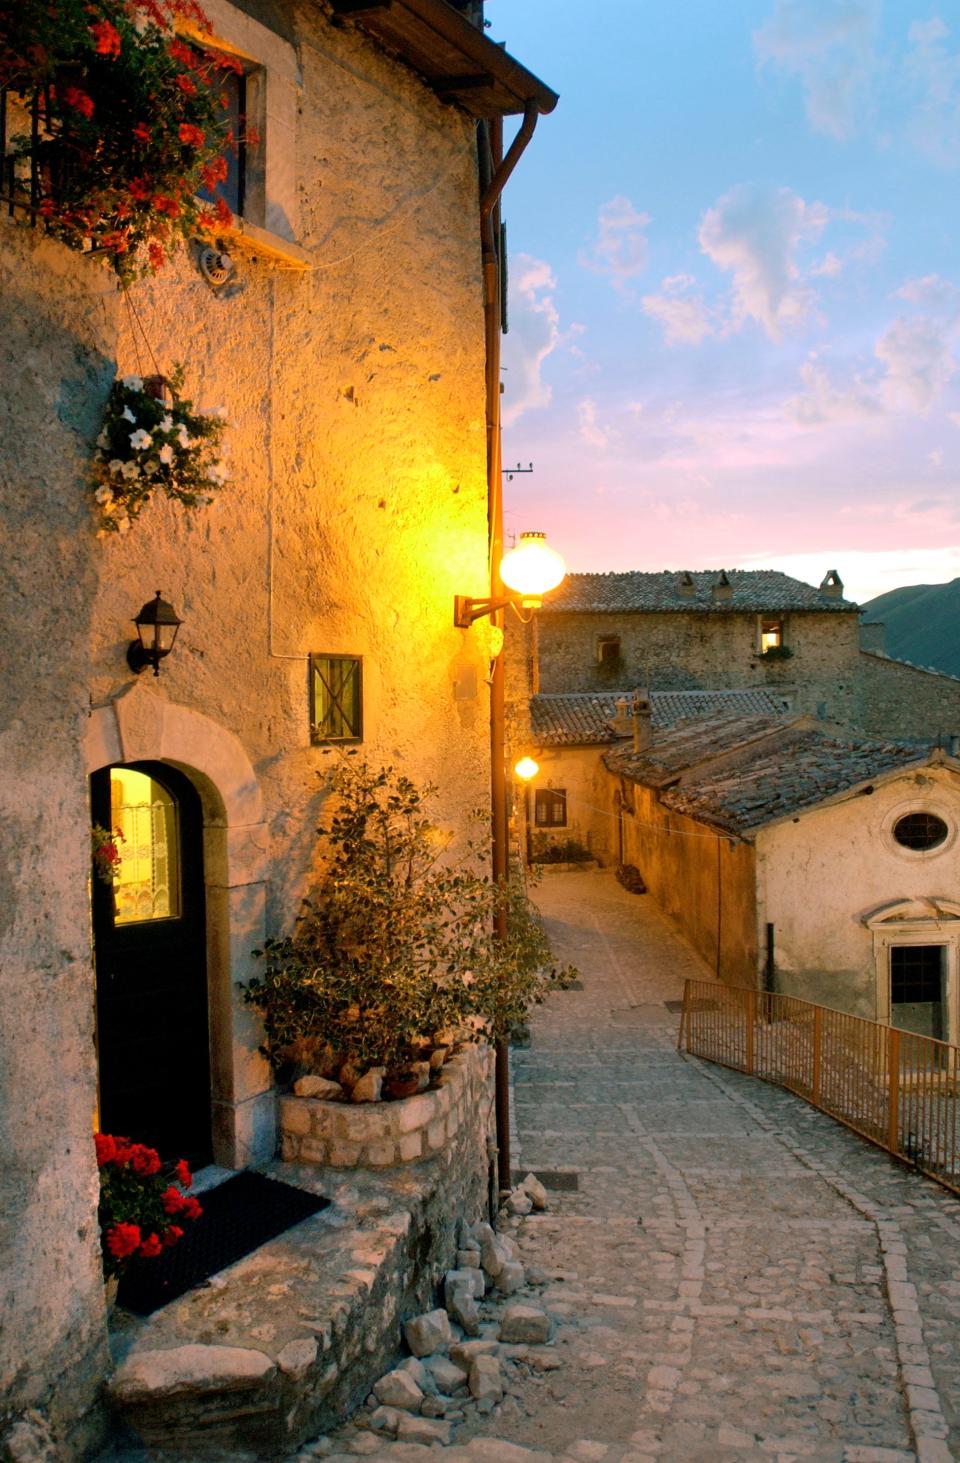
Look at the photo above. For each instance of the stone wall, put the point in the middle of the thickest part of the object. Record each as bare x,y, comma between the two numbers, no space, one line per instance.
354,391
270,1373
895,698
385,1134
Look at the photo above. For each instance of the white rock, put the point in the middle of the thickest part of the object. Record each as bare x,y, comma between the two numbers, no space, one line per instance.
519,1202
386,1420
297,1357
398,1389
470,1280
511,1277
423,1430
312,1086
428,1333
525,1323
463,1309
493,1254
532,1186
370,1086
447,1375
486,1381
147,1375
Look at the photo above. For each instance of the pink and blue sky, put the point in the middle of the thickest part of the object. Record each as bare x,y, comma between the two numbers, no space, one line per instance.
735,286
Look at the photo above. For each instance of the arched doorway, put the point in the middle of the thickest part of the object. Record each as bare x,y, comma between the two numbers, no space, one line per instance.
150,951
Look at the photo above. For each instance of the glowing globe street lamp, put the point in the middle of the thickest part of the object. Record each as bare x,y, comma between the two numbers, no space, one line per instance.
530,570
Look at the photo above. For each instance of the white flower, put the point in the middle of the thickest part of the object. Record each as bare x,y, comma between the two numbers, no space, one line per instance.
130,470
217,473
103,495
166,453
128,416
116,465
140,440
103,440
153,466
132,383
167,424
183,436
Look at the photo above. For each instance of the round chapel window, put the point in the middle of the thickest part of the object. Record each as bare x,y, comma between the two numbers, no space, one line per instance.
920,831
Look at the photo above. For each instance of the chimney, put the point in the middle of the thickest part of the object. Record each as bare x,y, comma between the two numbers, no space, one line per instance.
621,723
686,586
641,717
831,585
721,587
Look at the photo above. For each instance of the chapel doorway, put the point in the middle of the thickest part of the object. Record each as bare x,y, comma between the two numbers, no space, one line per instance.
917,989
149,927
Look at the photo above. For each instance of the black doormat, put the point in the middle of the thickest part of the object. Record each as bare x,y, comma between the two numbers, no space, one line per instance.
238,1216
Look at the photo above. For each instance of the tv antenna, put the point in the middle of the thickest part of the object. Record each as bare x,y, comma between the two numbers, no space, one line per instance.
511,472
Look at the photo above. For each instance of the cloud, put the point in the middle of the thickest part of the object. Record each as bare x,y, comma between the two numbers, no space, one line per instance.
685,317
822,403
590,431
916,351
755,233
930,78
533,336
829,45
619,251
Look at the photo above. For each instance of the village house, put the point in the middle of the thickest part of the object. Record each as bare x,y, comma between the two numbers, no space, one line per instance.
741,629
343,323
801,860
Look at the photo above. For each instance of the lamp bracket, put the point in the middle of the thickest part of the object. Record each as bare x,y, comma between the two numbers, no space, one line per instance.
466,610
138,659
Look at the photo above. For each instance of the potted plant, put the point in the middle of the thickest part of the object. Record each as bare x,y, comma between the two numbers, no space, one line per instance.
153,439
130,121
395,955
141,1204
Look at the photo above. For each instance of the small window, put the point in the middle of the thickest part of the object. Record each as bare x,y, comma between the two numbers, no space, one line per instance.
771,635
145,816
608,650
550,807
336,698
920,831
231,85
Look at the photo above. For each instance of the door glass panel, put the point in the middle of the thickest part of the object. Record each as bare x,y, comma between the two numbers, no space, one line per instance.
146,815
916,989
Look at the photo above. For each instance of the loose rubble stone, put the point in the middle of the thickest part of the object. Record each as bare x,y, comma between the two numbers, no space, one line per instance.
538,1194
423,1430
519,1203
364,1444
428,1333
434,1406
447,1374
398,1389
463,1352
468,1258
511,1277
418,1370
464,1311
148,1375
370,1086
471,1280
386,1420
486,1381
297,1357
525,1323
321,1087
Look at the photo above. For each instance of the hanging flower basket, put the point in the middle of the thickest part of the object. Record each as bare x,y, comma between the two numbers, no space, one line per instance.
152,439
131,124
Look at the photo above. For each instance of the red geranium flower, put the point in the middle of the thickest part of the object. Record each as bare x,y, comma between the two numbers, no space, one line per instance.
145,1160
213,172
183,54
183,1174
157,255
122,1240
106,37
106,1148
142,132
191,135
74,97
140,190
172,1200
150,1247
171,1235
163,204
224,213
191,1208
186,84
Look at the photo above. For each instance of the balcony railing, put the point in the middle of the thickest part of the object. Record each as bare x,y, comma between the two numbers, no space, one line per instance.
897,1089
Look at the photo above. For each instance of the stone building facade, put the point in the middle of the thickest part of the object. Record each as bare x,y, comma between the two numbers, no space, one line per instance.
744,629
348,352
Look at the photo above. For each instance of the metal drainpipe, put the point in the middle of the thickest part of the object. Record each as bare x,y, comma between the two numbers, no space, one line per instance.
502,168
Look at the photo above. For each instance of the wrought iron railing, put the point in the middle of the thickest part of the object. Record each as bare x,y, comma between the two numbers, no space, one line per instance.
21,135
897,1089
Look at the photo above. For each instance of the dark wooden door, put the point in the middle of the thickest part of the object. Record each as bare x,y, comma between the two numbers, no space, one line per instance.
150,946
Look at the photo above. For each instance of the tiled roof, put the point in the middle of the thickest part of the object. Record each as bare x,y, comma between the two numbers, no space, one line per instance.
584,719
691,743
750,591
784,776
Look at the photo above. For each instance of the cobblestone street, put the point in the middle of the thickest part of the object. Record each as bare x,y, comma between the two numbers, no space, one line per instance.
734,1276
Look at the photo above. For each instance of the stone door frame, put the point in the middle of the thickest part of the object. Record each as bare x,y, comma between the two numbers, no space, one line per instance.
140,725
918,922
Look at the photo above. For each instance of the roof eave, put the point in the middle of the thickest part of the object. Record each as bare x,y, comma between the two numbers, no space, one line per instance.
456,59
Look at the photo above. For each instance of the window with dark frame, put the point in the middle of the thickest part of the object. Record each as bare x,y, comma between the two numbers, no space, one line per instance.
550,807
336,698
920,831
608,650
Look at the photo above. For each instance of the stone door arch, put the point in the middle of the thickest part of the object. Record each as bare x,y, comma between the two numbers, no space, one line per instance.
141,726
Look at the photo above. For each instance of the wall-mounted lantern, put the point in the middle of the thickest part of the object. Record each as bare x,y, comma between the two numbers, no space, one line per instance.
157,625
526,769
529,570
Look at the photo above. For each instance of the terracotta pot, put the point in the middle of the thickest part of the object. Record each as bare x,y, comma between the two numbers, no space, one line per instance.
406,1085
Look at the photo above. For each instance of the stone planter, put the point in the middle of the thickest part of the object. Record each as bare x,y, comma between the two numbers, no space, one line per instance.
387,1134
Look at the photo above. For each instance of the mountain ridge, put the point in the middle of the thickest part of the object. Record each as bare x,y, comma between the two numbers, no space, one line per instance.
922,624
